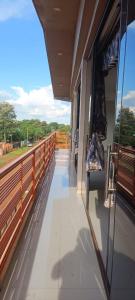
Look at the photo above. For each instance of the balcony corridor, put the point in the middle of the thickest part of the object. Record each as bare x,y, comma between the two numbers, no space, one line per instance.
55,258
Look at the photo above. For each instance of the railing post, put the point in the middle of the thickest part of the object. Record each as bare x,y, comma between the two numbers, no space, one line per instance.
134,181
54,141
48,152
33,174
44,156
40,153
21,190
50,148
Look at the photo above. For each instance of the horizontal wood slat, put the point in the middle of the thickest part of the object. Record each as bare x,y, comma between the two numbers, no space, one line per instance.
62,140
18,183
126,171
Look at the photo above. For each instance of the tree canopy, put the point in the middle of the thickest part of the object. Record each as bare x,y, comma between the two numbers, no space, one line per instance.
7,119
125,128
30,130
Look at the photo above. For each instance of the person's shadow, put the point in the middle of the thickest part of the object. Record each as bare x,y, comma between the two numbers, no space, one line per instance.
78,271
79,274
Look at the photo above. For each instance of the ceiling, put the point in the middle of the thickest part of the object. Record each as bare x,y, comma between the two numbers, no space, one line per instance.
58,19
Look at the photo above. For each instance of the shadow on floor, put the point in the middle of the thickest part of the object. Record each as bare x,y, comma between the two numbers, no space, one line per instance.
78,272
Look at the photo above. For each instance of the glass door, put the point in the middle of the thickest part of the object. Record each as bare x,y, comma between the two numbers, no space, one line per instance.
101,198
121,259
103,184
113,151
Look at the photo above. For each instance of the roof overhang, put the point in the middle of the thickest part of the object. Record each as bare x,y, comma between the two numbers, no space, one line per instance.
58,19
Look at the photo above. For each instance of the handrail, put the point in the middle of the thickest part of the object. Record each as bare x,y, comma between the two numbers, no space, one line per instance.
127,149
126,171
4,170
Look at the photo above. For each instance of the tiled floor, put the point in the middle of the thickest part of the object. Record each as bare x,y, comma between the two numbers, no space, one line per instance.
57,261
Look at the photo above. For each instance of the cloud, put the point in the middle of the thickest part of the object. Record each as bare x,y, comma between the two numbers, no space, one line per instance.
132,25
38,104
130,95
129,99
132,109
4,95
14,9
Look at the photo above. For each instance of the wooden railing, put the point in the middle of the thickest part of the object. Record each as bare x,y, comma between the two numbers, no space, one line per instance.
62,140
18,184
126,171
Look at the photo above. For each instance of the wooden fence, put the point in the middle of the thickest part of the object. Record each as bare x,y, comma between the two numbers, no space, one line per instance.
126,172
5,148
62,140
18,184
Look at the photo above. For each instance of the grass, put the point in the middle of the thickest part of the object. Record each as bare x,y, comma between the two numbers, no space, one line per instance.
5,159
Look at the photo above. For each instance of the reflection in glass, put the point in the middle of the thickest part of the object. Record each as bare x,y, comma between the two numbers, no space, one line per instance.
127,125
120,89
123,272
125,121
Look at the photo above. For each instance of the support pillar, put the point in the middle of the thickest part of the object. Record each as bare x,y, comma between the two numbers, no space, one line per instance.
83,97
74,120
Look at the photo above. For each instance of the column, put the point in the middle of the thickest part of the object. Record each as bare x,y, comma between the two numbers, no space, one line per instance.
74,116
83,121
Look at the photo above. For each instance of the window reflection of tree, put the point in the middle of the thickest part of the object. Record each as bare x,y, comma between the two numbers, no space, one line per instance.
126,125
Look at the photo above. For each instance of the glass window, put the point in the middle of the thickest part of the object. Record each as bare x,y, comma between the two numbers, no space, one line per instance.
127,125
123,272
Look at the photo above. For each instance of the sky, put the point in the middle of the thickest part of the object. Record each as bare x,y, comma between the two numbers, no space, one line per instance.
128,99
24,72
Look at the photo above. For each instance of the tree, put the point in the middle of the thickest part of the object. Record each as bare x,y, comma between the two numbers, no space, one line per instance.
64,128
31,130
7,120
53,126
125,128
18,134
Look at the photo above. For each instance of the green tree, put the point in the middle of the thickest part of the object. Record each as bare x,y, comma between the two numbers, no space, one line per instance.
63,127
18,134
125,128
7,120
54,126
31,130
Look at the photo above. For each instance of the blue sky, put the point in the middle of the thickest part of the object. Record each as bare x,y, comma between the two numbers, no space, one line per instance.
129,75
128,99
25,78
